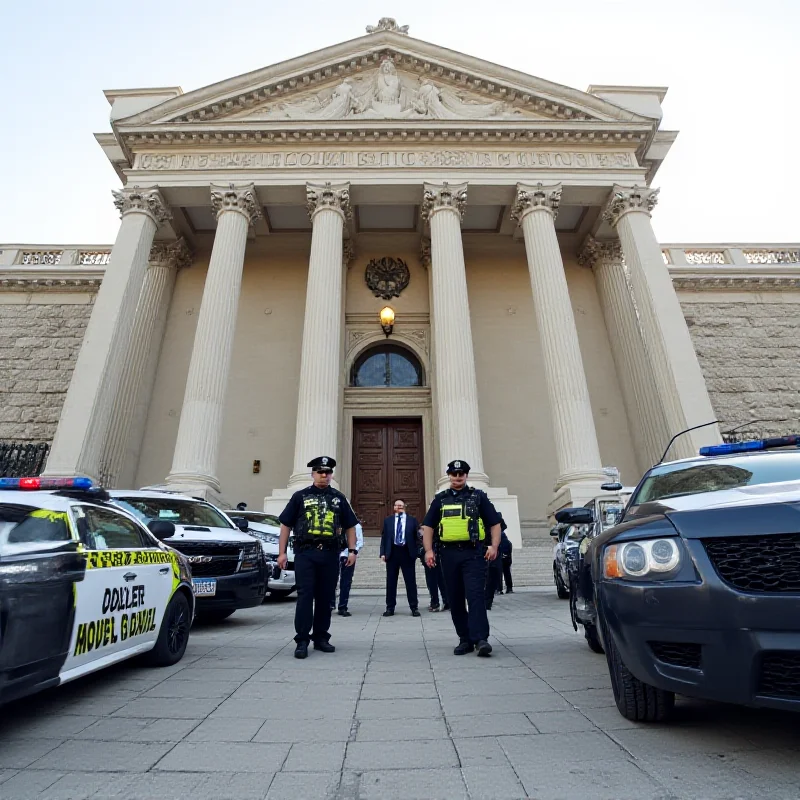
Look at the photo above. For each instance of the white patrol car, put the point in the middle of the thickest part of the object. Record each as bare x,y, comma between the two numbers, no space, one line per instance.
267,529
83,585
229,571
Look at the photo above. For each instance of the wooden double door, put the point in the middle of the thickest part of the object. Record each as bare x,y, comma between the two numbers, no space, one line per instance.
387,465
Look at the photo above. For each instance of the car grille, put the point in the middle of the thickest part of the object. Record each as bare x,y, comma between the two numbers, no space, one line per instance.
757,563
680,654
224,558
780,674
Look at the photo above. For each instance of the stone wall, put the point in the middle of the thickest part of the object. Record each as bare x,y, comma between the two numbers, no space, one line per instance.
749,349
40,336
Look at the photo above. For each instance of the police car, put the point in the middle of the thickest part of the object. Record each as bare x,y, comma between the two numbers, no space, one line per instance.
83,585
697,590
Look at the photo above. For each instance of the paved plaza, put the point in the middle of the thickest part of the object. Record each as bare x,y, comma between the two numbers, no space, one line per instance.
393,714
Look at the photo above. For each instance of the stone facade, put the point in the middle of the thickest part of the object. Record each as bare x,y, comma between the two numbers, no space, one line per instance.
40,339
749,349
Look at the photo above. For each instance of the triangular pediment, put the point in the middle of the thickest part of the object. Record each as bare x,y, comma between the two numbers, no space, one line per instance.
382,76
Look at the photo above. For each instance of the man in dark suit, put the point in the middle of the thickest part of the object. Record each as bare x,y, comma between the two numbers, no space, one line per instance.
399,552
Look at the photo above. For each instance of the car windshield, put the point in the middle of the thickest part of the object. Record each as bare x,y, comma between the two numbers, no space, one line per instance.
24,524
676,480
256,516
177,511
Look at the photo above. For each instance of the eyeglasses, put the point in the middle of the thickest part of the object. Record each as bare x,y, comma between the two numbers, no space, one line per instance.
323,471
458,474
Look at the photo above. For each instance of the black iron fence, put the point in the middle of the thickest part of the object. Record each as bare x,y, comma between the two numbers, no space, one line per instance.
22,459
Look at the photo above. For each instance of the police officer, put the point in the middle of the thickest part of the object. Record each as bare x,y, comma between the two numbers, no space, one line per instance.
318,514
467,529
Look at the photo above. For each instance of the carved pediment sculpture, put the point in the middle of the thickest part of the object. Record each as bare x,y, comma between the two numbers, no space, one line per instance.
386,94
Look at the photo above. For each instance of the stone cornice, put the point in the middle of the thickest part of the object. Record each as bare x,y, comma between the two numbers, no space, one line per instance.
48,279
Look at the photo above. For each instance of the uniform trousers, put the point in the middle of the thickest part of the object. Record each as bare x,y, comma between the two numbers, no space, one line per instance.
464,569
507,572
494,580
401,560
315,574
345,582
434,578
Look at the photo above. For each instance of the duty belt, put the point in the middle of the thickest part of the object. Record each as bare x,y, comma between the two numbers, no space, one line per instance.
301,546
461,545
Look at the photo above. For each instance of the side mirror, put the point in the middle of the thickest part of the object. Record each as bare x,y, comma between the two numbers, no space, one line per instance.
161,529
554,530
575,516
611,487
241,523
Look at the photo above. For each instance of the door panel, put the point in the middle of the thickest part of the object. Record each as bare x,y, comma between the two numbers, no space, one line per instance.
387,463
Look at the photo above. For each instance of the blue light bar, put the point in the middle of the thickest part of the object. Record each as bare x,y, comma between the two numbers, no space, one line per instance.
45,484
748,447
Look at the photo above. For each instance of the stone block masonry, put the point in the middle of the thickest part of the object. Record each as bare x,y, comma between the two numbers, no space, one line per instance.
40,336
749,350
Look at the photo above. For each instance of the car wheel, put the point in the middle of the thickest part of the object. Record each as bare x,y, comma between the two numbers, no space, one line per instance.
635,699
593,638
279,594
561,590
174,634
213,616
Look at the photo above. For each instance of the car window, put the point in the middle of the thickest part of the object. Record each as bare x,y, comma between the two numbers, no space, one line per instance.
177,511
30,524
680,479
103,529
256,516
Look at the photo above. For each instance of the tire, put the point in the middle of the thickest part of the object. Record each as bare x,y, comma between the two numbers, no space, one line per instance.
174,634
635,699
592,638
279,594
213,616
561,590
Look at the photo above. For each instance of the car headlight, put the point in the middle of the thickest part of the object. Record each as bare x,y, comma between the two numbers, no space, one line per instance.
648,558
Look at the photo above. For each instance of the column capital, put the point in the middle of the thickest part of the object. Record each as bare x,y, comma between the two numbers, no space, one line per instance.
142,201
425,253
438,197
600,251
541,197
629,198
171,255
236,198
331,196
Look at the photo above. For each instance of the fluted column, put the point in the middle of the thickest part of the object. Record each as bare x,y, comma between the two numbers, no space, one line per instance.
675,368
94,387
577,451
639,393
194,463
459,427
318,396
123,442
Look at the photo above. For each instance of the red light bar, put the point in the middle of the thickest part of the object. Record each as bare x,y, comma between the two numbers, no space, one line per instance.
45,484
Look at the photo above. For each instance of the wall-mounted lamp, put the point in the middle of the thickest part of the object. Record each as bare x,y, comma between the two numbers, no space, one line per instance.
387,320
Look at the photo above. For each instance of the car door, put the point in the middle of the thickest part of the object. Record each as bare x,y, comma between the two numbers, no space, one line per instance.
121,602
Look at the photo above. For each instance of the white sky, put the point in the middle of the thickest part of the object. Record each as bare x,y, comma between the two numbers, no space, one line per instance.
732,69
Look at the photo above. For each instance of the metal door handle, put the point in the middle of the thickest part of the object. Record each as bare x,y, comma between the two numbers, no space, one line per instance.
164,570
129,576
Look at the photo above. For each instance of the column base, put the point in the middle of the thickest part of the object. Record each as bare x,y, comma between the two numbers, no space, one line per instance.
573,494
203,486
508,506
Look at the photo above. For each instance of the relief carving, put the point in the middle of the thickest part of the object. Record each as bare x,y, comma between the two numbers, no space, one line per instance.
387,277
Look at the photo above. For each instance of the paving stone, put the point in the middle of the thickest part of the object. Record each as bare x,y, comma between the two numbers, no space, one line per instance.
480,752
560,721
401,755
129,729
230,673
225,757
416,784
493,783
225,729
473,704
44,727
264,709
395,709
398,691
305,785
315,757
548,749
151,785
193,690
18,755
233,786
490,725
78,756
690,740
29,783
76,786
287,729
378,730
153,707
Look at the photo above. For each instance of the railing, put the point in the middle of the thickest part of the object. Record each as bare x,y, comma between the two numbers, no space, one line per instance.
739,255
22,459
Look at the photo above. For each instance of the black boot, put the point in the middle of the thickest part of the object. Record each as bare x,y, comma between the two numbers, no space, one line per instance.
484,648
325,647
301,651
463,648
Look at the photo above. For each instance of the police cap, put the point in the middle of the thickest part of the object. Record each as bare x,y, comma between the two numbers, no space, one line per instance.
457,466
322,464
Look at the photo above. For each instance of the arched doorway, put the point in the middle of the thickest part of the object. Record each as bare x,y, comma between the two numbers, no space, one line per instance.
387,450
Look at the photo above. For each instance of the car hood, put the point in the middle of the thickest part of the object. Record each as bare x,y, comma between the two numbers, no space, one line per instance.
201,533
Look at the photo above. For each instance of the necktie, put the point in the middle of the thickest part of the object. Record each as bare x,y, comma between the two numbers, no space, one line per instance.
398,535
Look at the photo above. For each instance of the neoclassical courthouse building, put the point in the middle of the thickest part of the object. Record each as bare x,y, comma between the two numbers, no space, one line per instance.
532,323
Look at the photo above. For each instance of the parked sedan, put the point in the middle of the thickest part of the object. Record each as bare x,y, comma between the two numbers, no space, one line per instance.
697,590
568,539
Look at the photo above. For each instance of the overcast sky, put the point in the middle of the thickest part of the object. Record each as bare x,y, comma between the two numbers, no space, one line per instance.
731,68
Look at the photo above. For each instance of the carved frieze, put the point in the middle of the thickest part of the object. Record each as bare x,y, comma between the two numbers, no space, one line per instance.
387,277
147,201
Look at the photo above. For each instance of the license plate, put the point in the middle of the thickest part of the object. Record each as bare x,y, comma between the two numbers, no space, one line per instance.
204,587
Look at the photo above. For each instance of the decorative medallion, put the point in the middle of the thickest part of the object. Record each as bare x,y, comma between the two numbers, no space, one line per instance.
387,277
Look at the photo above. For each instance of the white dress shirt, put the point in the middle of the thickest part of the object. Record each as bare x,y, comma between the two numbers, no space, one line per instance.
359,541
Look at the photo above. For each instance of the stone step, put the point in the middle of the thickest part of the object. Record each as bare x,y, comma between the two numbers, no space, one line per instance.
532,565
